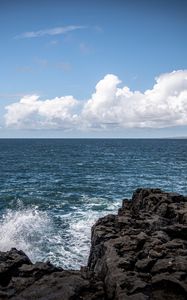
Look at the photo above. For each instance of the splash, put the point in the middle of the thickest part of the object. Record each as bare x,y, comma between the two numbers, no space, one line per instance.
24,229
72,249
62,238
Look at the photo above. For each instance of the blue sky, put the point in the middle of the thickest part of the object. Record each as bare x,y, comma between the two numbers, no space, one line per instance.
53,49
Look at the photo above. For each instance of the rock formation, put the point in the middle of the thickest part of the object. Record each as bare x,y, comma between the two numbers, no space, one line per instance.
138,254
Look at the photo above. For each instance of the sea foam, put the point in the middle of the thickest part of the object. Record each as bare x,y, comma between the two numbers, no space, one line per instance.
24,229
36,233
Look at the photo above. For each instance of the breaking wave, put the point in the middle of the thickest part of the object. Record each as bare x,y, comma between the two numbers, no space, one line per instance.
62,238
24,229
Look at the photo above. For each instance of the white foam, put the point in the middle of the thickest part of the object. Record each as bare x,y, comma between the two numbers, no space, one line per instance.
36,233
24,229
78,234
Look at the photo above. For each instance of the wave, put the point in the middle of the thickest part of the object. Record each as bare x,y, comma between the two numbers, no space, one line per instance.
63,238
25,229
72,250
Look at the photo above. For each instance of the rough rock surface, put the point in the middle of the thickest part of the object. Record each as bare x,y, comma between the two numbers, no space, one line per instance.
139,254
22,280
142,252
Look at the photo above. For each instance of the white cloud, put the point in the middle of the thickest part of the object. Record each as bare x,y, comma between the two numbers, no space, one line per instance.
49,31
30,112
162,106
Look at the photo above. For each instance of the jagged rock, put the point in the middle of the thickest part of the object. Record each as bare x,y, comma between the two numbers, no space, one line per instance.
10,261
139,254
22,280
149,241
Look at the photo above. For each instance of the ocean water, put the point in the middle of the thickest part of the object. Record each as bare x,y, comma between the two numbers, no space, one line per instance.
53,190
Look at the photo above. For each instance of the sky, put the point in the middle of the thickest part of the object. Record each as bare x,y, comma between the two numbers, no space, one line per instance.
108,68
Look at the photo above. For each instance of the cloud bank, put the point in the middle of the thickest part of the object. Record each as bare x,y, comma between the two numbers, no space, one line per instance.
49,31
110,106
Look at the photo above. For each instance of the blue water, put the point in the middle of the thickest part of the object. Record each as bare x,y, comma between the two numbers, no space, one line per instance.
53,190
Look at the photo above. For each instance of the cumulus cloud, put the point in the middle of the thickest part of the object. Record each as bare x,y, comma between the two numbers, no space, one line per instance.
49,31
162,106
30,112
109,106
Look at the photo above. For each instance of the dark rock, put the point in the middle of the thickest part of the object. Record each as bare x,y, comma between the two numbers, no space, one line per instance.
144,265
10,261
139,254
149,241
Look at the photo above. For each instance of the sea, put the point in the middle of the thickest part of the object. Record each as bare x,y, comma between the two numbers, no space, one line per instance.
53,190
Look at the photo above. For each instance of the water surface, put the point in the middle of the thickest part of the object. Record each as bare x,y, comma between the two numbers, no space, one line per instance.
53,190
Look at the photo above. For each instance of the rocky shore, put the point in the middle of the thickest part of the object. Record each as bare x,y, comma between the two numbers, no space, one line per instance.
138,254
